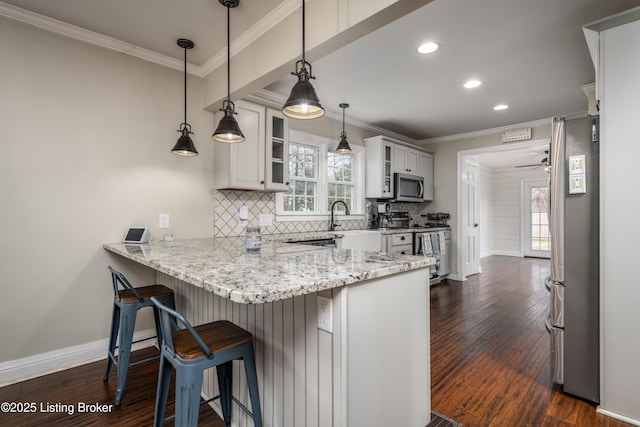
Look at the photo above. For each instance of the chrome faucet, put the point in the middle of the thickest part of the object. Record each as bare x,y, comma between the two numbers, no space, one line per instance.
332,224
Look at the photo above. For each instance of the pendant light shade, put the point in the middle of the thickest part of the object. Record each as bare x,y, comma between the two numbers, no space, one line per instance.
303,103
343,146
185,146
228,129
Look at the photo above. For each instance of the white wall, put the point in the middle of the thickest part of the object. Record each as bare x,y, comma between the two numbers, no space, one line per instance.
487,207
501,211
86,135
445,174
619,233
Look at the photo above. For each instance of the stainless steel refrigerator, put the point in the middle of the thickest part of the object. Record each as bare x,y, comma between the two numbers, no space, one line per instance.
573,321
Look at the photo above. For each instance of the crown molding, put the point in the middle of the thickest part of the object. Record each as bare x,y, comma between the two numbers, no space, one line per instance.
46,23
485,132
269,21
72,31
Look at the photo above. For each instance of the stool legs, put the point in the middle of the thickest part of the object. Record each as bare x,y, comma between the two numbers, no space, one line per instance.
164,382
127,327
188,389
113,339
225,383
252,380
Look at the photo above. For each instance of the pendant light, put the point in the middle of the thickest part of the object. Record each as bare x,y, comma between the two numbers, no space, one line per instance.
184,146
228,129
343,146
303,102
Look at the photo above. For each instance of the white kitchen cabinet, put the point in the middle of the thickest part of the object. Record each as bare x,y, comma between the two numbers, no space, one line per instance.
379,167
425,170
259,163
386,156
399,243
277,151
405,159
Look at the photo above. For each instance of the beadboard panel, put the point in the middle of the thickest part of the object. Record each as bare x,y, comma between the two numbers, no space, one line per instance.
298,365
500,201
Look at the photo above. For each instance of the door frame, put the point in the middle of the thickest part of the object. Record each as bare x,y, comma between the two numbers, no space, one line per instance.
459,235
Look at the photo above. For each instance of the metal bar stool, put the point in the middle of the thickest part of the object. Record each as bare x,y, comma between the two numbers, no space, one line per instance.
126,303
191,351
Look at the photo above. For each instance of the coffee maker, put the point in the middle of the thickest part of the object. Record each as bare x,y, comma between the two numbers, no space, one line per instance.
379,215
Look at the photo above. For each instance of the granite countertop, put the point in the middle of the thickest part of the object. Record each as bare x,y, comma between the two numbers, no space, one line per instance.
411,230
278,271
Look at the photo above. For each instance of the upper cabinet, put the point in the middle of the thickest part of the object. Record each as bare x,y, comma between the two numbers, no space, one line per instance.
405,159
379,154
386,156
259,163
425,170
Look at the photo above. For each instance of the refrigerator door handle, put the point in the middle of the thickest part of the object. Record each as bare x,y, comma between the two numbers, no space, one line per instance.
557,353
556,307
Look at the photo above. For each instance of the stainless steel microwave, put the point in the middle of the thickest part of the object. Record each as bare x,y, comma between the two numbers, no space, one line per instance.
408,188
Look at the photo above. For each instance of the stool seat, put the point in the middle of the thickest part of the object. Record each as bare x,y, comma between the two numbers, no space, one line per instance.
146,292
218,336
126,303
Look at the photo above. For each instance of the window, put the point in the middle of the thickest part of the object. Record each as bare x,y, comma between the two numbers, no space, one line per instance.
318,177
303,179
540,237
340,180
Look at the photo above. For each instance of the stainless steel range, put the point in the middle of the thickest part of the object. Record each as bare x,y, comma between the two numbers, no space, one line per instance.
435,242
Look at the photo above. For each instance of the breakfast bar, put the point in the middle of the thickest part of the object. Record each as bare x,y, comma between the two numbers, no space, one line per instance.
341,335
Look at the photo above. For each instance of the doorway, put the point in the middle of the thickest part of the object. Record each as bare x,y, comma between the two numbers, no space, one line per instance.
509,156
536,238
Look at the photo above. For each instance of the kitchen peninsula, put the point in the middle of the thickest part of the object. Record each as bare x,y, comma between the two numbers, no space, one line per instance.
363,361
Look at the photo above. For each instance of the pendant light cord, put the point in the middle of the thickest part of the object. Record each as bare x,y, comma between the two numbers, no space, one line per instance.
303,36
228,54
185,85
343,119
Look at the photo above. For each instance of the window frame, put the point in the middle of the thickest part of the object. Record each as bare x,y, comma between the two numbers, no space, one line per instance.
324,145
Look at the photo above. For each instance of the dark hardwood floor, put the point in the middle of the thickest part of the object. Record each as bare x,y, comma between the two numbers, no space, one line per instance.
489,364
490,351
84,385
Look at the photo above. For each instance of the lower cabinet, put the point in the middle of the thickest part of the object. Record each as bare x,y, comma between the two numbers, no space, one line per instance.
401,243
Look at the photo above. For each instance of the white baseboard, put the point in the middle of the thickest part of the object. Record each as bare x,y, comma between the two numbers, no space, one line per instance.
602,411
508,253
26,368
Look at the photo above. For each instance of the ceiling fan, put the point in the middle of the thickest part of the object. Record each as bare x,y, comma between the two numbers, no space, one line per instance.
543,163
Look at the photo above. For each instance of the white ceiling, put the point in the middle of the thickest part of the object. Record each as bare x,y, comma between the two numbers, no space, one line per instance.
530,54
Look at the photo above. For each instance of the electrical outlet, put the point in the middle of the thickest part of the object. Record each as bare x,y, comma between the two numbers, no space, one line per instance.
243,215
266,220
325,314
164,220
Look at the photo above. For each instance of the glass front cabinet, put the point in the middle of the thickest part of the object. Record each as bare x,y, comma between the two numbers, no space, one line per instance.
277,151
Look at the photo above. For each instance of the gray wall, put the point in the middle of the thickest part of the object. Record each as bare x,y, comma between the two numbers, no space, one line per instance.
86,135
445,197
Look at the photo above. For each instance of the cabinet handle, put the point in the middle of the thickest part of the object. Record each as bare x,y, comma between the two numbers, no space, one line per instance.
286,183
403,238
261,182
402,253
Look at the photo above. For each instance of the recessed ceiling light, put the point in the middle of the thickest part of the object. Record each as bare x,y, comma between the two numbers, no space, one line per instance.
472,83
428,47
501,107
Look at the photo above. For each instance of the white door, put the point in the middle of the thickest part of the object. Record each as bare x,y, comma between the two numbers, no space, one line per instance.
536,237
470,226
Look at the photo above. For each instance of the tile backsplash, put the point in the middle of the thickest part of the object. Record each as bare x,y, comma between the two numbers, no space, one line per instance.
227,203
